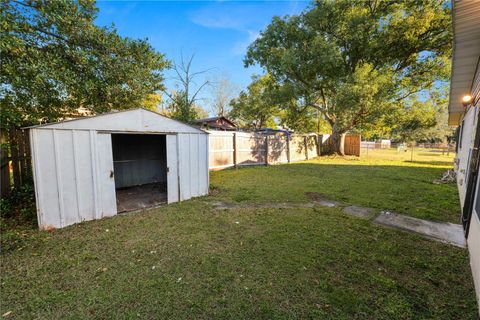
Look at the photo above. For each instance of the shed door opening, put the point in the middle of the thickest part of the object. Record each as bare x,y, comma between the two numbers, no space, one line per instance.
140,165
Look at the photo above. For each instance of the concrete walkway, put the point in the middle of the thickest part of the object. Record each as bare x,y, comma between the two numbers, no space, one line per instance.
441,231
444,232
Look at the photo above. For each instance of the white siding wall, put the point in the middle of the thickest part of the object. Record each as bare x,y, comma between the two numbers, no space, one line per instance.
473,242
461,167
72,176
462,159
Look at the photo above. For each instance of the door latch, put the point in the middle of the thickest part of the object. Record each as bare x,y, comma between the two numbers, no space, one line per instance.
111,173
168,169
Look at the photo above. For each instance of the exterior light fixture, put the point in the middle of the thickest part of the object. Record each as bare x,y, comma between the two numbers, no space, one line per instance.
466,100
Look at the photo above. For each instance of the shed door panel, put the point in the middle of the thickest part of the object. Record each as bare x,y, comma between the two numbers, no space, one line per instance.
203,163
82,146
66,171
172,171
184,165
194,165
46,180
106,181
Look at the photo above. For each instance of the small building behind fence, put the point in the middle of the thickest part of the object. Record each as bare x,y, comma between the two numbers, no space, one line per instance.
216,123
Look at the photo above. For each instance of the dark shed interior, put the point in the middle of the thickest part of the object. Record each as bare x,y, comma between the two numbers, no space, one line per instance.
140,165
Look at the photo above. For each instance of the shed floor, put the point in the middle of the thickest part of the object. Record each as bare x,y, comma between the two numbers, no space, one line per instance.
140,197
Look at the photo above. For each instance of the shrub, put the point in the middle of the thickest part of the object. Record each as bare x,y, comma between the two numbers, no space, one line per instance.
20,205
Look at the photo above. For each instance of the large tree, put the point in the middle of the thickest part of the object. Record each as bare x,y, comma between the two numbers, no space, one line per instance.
54,59
185,100
223,90
177,108
421,119
258,105
355,61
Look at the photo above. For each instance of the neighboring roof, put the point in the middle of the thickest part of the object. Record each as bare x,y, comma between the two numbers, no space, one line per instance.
132,120
211,119
466,53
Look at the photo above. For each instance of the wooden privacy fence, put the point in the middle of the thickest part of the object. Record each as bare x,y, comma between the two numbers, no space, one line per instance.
229,149
352,144
15,160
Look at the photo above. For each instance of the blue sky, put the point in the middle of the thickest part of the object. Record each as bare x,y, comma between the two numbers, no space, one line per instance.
218,32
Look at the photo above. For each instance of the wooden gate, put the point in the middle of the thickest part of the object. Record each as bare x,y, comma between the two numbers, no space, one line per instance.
352,145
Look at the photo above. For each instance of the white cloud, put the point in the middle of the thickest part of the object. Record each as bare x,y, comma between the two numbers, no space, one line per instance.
220,21
233,17
228,15
240,47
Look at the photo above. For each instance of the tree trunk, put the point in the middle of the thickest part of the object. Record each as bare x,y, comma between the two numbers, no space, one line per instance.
338,141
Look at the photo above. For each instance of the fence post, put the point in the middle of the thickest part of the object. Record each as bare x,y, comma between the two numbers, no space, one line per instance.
28,155
22,157
15,158
235,149
305,143
266,149
319,141
287,135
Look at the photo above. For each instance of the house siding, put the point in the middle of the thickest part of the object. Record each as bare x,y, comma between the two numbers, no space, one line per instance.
469,129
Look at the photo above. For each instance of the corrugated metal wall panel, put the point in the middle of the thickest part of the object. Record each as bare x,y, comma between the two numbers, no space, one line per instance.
72,176
72,172
194,163
66,168
106,181
184,165
203,163
46,179
83,163
172,163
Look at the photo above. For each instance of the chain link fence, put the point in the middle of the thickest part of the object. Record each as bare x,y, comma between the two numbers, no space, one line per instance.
414,152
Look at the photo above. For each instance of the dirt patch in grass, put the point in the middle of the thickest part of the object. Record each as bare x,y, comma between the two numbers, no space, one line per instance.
214,191
315,196
319,199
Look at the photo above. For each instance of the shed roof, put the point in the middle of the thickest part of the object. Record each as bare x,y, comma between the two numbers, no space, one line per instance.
466,52
133,120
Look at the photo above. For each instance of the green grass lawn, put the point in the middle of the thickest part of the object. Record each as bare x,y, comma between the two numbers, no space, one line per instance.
375,181
189,261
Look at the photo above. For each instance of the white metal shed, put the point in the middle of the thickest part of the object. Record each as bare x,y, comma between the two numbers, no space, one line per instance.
82,167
